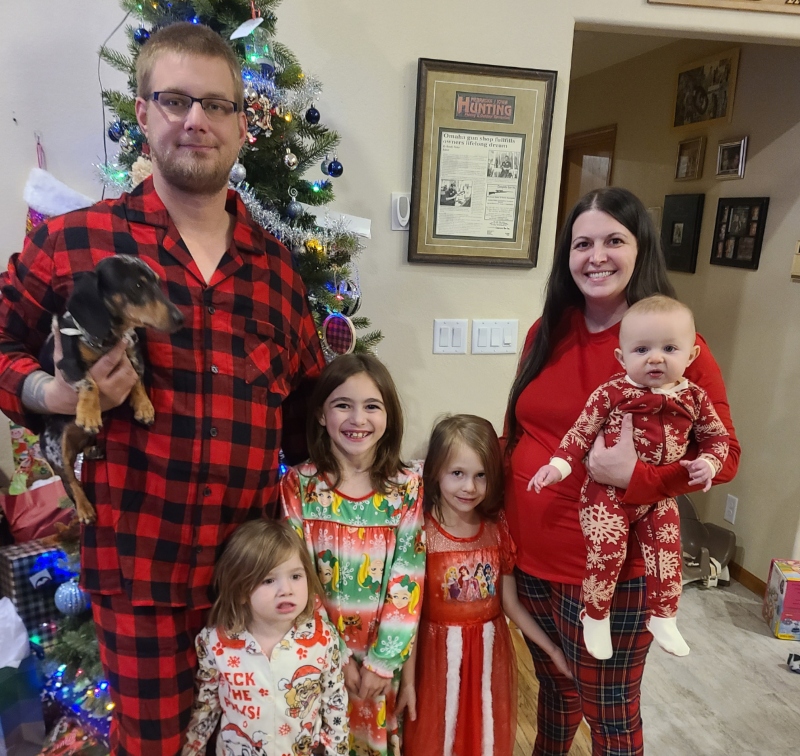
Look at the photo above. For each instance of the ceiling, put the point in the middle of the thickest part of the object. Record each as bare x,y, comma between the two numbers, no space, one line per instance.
593,51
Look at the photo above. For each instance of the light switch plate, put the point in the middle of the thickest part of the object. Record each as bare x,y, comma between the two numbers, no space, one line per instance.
450,336
494,336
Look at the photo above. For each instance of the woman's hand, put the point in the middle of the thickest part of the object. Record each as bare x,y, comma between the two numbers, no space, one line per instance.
373,685
613,466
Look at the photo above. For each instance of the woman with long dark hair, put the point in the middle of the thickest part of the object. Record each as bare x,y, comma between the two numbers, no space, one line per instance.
608,256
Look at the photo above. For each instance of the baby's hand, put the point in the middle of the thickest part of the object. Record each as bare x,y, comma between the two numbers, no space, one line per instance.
546,476
699,472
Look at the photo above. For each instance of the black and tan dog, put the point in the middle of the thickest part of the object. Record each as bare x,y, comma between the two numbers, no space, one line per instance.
120,294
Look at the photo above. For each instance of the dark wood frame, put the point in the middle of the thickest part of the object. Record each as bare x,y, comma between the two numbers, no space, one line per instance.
726,248
685,210
532,169
687,144
733,54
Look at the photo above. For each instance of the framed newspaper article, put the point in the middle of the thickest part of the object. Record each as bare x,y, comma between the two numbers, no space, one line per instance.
480,158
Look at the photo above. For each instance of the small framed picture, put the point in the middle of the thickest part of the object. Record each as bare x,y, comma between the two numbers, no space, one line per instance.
680,230
740,224
731,158
691,153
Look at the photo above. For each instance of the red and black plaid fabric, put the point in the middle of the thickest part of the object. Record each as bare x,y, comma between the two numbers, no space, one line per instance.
167,496
605,692
338,333
148,653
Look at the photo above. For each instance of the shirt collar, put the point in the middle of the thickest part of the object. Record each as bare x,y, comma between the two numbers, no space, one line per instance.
674,391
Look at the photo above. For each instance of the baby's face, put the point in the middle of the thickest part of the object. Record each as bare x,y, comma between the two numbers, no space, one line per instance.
655,348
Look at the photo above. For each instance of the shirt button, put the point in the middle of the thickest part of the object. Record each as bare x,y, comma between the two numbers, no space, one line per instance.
214,369
213,433
198,549
211,309
206,491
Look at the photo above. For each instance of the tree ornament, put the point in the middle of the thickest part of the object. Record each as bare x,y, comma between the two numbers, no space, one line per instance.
294,208
348,292
287,116
134,133
141,35
324,165
315,247
115,131
125,143
258,52
238,173
335,168
290,159
312,115
70,599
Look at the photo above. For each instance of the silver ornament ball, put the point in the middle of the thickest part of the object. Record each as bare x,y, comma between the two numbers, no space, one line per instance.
291,161
238,173
70,599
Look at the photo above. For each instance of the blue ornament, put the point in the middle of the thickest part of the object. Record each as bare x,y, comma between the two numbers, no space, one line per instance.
141,35
335,169
70,599
312,115
294,209
115,131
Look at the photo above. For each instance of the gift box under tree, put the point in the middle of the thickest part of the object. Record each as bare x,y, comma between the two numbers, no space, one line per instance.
27,577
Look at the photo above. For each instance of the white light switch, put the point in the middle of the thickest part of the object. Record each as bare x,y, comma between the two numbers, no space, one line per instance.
494,336
450,336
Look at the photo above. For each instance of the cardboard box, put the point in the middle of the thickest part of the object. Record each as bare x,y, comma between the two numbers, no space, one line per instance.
33,595
781,607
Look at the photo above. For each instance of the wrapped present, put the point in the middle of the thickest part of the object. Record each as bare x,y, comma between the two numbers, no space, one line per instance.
29,462
29,576
69,737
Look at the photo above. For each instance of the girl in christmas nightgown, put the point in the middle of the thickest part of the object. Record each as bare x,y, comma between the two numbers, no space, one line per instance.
460,689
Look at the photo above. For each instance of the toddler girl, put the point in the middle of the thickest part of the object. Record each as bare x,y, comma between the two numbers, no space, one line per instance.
656,345
461,693
268,665
368,540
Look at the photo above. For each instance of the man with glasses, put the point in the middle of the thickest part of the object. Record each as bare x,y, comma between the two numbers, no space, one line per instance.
224,387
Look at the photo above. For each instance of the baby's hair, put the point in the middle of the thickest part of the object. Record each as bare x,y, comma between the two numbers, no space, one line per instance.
477,434
255,549
658,303
387,463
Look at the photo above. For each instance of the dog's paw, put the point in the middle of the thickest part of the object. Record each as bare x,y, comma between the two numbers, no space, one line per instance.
89,421
144,412
84,508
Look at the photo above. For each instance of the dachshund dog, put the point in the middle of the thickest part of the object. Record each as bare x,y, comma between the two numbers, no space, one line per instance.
120,294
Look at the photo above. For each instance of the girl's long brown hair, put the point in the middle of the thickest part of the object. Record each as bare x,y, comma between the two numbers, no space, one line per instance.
387,463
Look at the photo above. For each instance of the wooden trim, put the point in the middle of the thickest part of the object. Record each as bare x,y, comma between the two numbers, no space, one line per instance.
591,136
747,579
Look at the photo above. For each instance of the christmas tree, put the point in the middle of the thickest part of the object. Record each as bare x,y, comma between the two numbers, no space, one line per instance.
285,140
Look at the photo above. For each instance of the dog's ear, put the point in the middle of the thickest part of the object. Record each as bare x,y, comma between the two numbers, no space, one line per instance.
87,308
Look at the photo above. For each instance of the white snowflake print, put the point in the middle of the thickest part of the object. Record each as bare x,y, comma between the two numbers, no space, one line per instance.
596,560
326,539
357,505
404,542
358,521
641,511
649,555
672,590
597,592
601,526
320,513
669,533
346,572
669,564
663,508
391,645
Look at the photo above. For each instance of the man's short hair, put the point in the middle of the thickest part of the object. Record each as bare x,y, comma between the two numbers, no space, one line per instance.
185,38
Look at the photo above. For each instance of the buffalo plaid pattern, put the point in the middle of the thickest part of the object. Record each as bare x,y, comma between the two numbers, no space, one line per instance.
169,495
148,653
605,692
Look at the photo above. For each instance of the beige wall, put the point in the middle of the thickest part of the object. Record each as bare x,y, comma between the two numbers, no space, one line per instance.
366,54
748,317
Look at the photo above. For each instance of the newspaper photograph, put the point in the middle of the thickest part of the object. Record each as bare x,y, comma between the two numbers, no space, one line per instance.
478,178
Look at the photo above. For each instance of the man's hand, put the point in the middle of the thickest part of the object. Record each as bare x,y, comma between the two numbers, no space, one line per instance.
700,473
613,466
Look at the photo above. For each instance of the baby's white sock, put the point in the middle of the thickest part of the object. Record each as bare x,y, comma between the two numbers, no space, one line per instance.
665,631
597,636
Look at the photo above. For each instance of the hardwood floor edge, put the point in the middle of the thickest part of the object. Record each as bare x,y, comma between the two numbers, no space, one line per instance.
747,579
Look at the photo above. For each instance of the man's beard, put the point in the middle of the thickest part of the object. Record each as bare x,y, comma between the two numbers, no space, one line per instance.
190,173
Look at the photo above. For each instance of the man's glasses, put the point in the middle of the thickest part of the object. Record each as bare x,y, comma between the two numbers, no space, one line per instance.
179,105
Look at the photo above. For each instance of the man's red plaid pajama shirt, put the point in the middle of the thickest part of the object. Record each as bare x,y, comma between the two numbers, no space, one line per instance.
168,496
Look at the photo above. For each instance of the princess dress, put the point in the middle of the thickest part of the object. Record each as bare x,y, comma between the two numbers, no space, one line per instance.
466,675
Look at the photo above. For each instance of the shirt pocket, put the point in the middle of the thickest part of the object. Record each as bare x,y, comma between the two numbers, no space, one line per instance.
267,365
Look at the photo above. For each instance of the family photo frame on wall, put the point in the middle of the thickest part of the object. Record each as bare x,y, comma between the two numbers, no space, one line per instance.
731,158
739,231
705,89
480,158
691,153
680,230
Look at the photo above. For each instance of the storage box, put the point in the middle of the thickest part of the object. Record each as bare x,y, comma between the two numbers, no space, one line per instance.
33,595
781,607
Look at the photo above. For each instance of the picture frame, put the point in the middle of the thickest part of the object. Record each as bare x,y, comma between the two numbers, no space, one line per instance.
704,90
769,6
731,158
739,231
481,145
689,163
680,230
